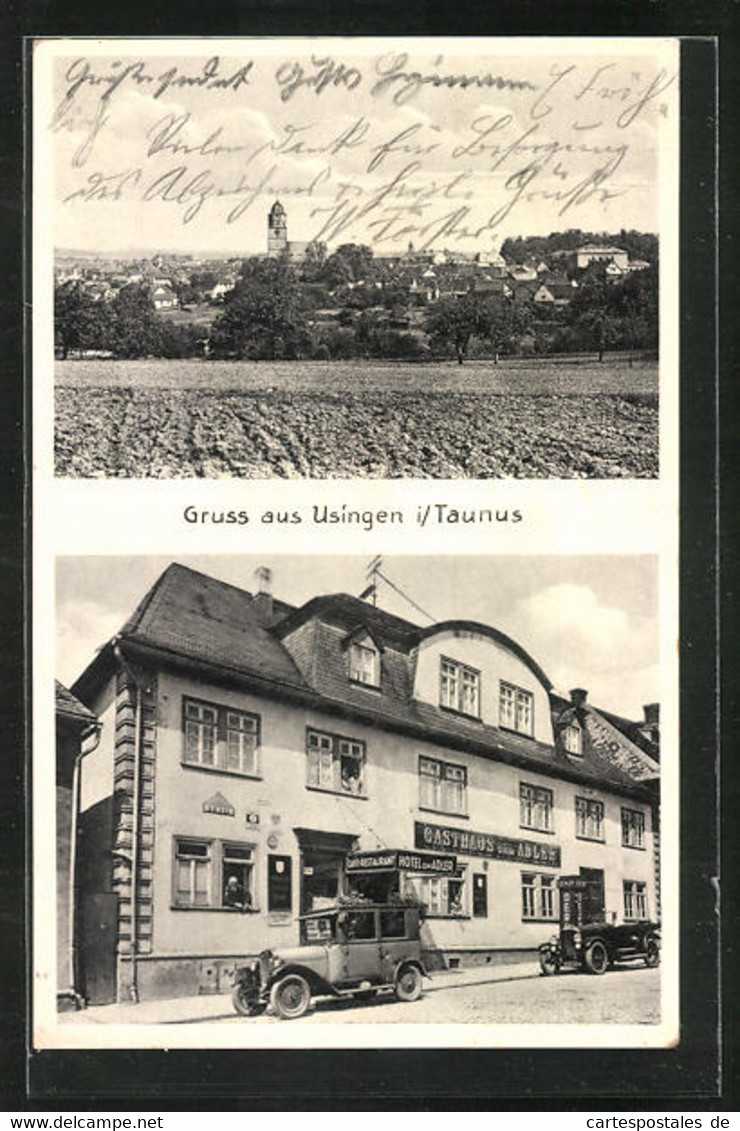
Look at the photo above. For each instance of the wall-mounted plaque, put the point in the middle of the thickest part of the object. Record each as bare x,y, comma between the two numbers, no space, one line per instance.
218,804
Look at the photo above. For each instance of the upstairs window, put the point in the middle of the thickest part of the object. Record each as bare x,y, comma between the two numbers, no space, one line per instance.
459,688
335,764
633,828
573,739
516,709
442,786
589,819
220,738
535,807
364,664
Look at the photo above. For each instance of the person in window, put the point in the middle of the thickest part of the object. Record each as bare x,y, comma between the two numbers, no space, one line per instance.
235,895
455,899
350,776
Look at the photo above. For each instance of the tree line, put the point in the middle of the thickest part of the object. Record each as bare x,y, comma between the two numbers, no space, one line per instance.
270,314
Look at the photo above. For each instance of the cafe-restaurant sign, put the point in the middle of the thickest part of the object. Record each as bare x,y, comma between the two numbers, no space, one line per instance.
405,861
496,847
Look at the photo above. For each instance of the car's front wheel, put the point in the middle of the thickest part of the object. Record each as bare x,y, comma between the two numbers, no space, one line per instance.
652,953
597,958
408,983
548,962
246,1003
290,997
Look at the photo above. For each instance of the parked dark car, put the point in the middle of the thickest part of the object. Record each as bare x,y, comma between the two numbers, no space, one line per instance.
346,951
594,946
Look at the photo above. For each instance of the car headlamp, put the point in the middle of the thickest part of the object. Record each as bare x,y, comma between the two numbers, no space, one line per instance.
577,938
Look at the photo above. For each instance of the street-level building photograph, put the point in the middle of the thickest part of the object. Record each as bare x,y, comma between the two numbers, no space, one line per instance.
358,790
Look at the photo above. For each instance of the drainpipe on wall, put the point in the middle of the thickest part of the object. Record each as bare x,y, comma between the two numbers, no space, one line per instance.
94,731
135,841
135,820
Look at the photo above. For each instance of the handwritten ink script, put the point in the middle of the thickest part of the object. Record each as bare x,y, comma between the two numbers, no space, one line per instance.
384,150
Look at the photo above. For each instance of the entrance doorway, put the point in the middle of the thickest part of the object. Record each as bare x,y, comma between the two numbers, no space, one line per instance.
320,879
322,857
594,905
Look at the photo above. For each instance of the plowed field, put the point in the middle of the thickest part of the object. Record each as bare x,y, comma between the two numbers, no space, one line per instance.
335,420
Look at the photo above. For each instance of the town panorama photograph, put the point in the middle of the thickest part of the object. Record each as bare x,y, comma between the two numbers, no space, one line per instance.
356,260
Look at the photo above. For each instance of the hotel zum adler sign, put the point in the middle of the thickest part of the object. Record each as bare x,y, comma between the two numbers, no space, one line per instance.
390,860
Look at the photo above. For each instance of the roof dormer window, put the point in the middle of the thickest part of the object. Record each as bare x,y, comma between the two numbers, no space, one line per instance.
516,708
572,736
459,688
364,663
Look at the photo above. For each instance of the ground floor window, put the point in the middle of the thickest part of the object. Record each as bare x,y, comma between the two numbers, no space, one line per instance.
635,899
236,876
193,866
213,873
538,896
442,895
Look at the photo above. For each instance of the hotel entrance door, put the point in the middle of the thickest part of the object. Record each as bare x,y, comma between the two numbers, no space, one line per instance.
594,910
322,867
320,879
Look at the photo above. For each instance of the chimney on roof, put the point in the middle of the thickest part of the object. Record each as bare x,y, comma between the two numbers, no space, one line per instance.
262,600
578,696
652,714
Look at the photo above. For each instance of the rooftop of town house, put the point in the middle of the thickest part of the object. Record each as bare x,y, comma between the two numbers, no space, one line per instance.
297,652
557,290
189,613
633,731
69,706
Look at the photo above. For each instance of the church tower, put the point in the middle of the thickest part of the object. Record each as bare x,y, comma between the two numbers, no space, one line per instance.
277,231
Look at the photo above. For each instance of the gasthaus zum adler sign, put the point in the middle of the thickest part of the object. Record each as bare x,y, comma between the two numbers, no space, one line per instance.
485,844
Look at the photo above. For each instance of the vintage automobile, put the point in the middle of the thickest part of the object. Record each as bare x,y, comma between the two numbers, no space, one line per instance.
594,946
346,951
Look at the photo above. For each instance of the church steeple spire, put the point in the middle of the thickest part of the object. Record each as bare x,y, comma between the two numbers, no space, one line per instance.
277,230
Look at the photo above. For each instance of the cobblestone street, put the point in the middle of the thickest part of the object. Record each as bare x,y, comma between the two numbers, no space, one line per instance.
629,996
515,995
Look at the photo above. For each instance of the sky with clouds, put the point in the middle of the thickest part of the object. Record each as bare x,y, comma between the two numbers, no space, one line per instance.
588,621
359,146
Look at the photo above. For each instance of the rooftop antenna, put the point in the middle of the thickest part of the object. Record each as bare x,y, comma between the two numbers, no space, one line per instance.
375,571
371,575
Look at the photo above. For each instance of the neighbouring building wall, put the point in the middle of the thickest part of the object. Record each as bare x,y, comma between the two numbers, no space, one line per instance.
65,976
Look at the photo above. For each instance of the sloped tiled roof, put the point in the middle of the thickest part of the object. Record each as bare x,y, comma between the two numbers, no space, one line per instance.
196,619
69,705
199,617
633,732
347,612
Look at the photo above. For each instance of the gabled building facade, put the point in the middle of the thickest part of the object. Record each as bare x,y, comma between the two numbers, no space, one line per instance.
258,759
